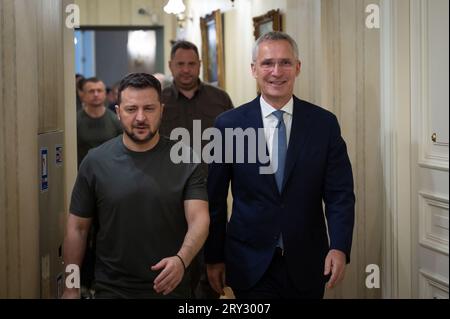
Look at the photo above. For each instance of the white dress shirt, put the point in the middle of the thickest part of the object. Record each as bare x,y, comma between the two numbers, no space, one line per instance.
270,121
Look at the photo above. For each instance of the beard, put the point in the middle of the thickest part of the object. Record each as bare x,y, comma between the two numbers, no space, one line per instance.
141,140
138,140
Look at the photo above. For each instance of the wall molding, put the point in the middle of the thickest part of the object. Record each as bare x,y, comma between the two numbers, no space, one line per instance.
395,142
427,238
432,285
388,148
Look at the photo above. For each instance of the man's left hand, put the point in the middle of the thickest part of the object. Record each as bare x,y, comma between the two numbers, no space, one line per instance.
334,263
170,276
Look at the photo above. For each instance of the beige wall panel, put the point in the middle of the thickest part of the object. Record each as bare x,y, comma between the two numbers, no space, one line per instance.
70,128
109,12
84,13
329,69
353,63
371,151
348,81
91,13
302,22
9,123
27,126
31,100
49,67
240,84
122,12
341,33
3,248
126,15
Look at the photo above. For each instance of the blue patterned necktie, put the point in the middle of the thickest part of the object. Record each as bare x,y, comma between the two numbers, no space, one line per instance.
280,149
280,145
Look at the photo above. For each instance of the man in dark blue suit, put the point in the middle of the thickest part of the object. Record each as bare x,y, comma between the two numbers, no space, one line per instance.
277,243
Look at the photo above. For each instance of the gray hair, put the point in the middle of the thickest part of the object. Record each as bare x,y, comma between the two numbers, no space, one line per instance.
274,36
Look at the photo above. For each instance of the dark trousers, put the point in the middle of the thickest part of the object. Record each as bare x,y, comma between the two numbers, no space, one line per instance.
200,287
277,284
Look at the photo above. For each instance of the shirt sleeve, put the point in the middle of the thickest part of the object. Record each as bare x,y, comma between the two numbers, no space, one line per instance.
83,203
196,185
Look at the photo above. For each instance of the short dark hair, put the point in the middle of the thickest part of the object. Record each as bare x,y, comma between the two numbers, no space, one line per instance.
186,45
138,81
79,84
91,79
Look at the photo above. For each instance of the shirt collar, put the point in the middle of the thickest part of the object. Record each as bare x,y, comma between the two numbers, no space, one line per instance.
177,92
267,109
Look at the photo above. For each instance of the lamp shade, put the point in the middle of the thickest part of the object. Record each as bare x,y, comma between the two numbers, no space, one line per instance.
175,7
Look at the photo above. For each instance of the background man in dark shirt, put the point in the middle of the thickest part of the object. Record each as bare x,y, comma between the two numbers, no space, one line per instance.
186,100
95,125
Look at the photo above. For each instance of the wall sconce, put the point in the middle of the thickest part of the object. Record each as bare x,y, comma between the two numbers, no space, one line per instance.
153,16
174,7
177,8
182,19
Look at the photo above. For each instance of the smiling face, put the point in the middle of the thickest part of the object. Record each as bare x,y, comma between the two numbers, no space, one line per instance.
275,70
140,112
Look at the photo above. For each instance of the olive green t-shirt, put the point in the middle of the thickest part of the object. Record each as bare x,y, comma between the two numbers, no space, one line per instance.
92,132
138,199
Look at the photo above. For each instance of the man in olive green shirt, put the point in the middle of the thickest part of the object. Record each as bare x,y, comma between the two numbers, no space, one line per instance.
95,123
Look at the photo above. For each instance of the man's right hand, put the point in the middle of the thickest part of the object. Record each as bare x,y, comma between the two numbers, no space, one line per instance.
216,277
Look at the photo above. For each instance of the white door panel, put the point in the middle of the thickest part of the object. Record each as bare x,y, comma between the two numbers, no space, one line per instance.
430,104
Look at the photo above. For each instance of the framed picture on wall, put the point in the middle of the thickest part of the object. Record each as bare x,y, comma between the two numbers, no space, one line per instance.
271,21
212,49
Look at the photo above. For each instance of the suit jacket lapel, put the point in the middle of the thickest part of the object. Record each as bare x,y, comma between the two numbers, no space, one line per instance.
254,120
298,136
253,114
